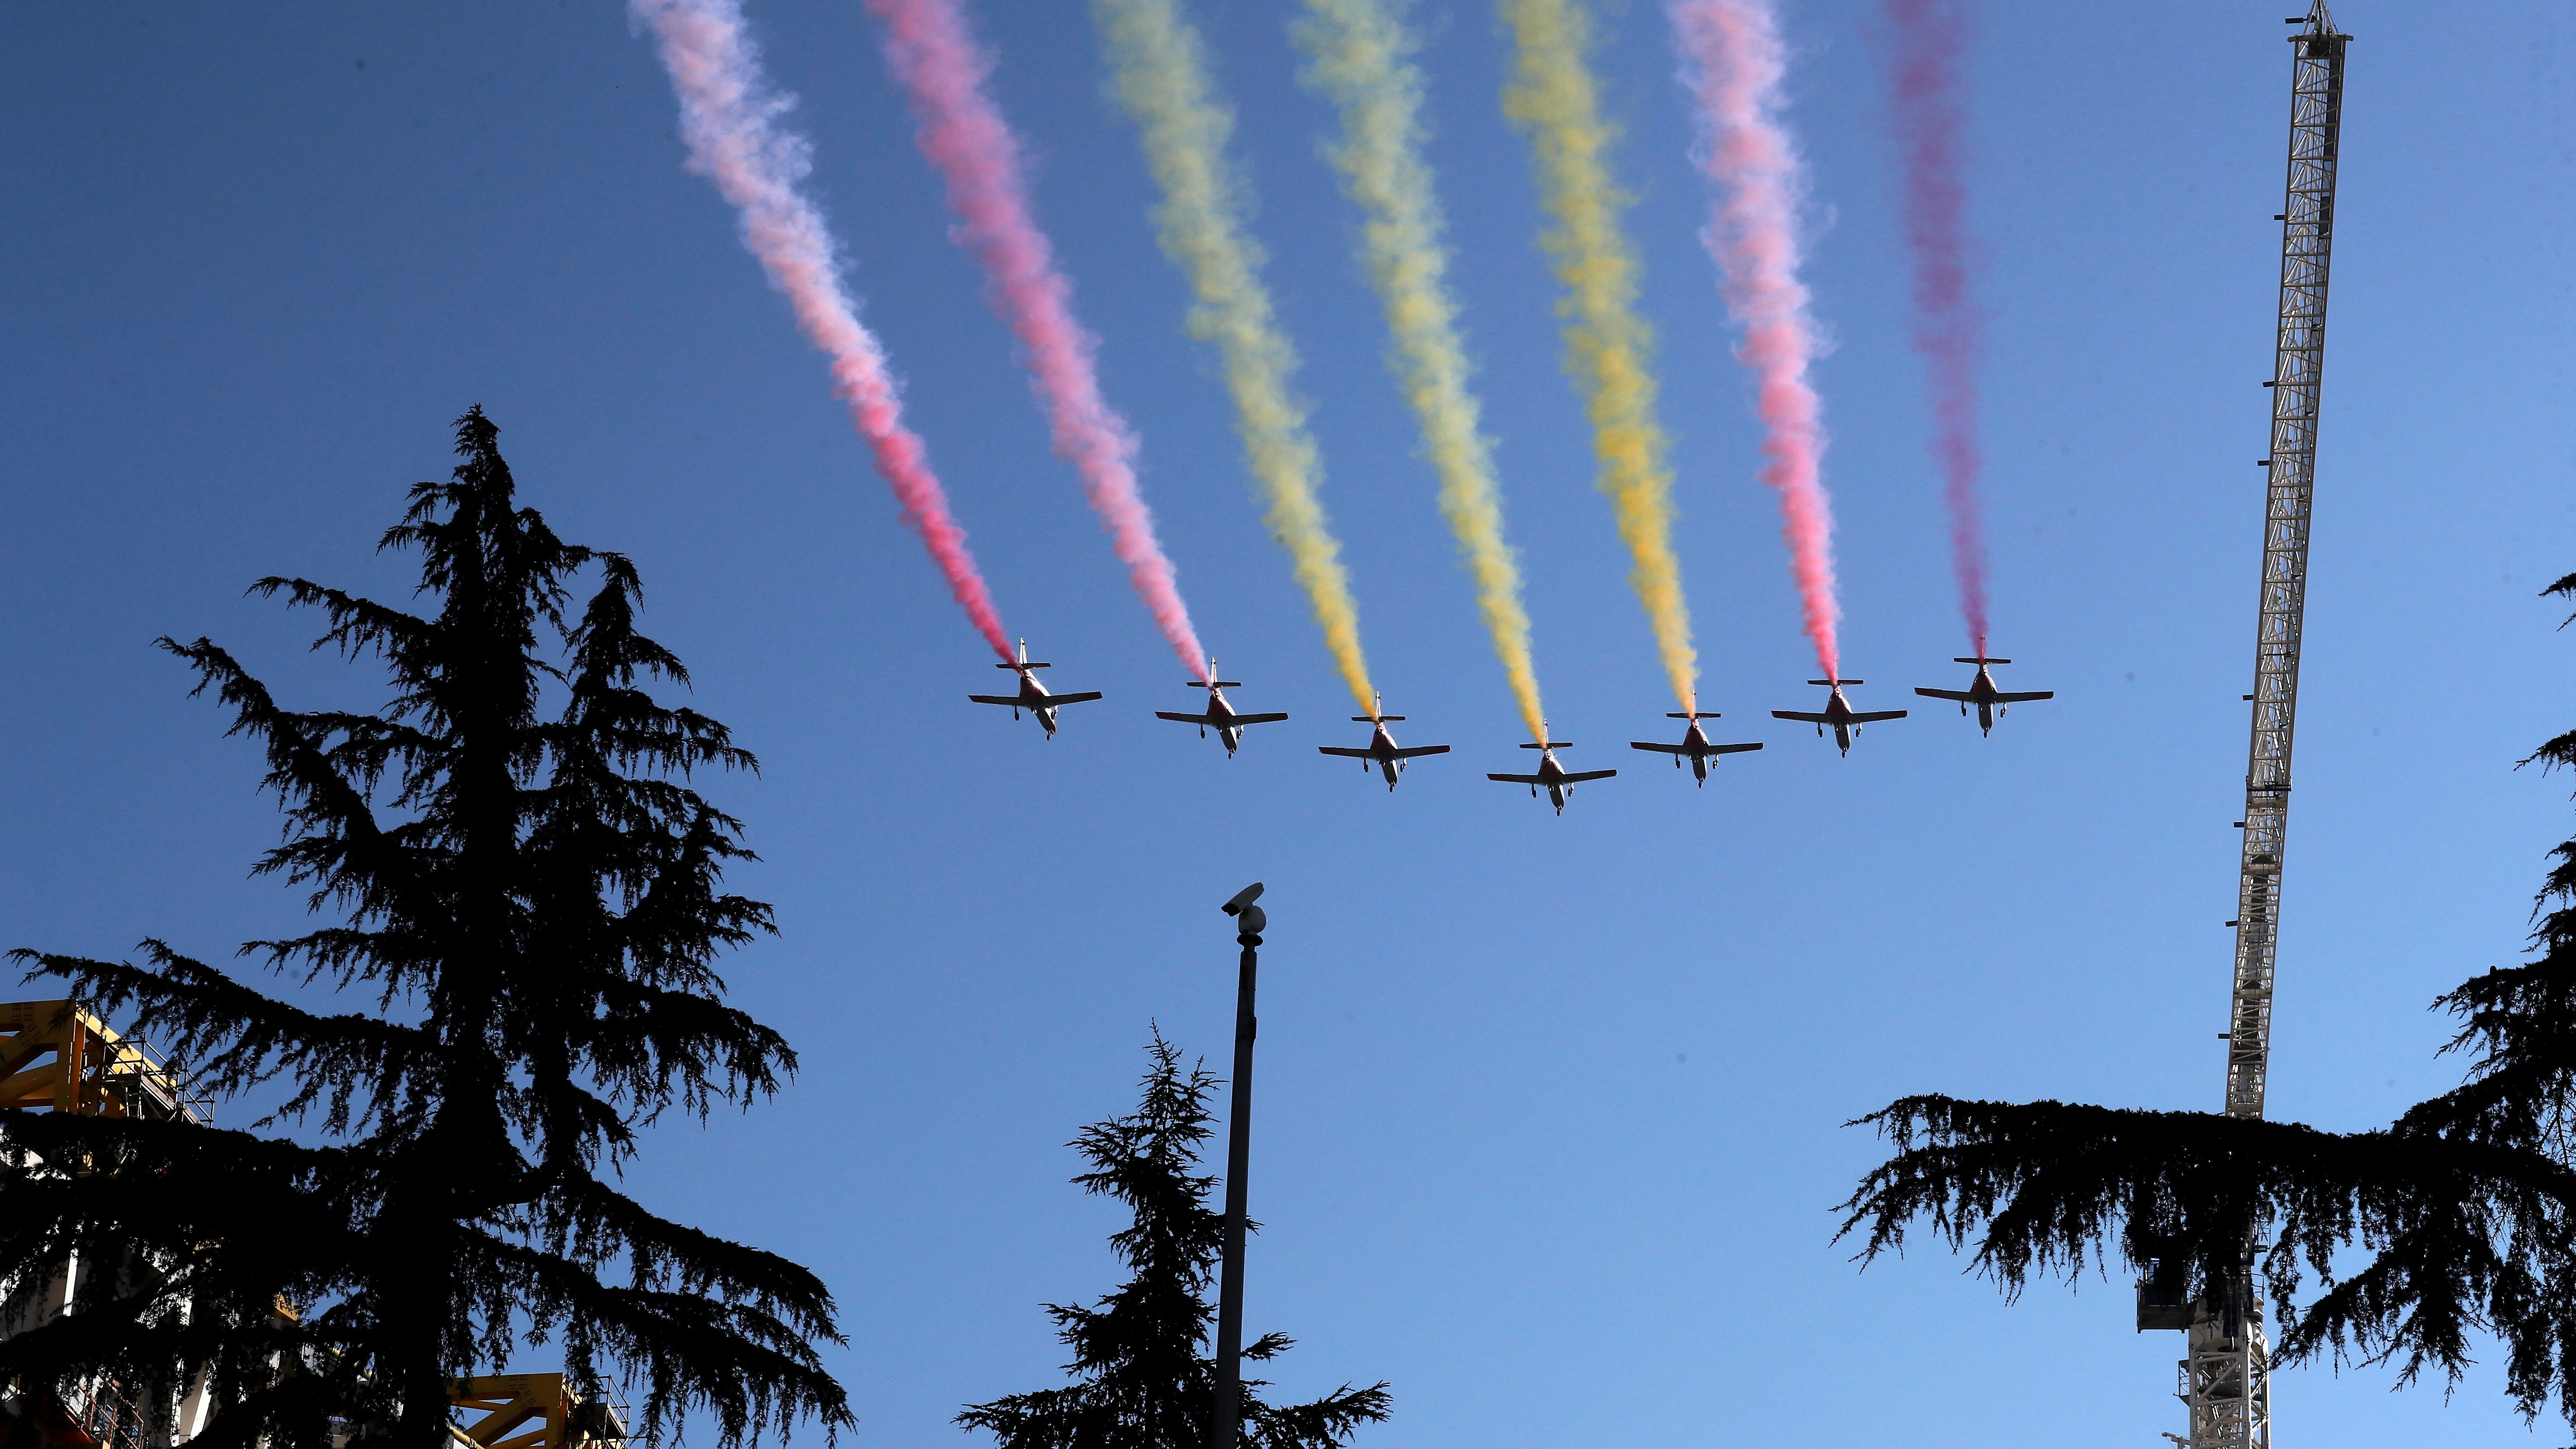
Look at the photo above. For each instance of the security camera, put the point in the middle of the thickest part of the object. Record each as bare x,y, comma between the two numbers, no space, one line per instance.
1242,899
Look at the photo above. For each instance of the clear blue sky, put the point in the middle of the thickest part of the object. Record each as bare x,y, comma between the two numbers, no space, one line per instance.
1549,1118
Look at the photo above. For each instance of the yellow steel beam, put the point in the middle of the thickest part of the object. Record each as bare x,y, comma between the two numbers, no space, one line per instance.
57,1055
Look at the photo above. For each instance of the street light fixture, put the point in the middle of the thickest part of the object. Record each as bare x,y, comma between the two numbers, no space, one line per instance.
1249,922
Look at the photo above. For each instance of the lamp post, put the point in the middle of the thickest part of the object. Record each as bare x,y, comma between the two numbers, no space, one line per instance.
1249,922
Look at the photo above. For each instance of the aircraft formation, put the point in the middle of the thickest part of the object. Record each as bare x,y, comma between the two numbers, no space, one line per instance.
1732,56
1389,759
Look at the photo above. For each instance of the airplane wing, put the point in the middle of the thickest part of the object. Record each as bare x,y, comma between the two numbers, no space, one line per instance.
1085,697
1658,749
1245,719
1012,700
1419,750
2018,698
1950,694
1344,753
1517,779
1731,749
1876,715
1801,718
1196,719
1579,776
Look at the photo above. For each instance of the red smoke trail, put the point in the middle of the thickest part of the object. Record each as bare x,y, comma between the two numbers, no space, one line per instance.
1929,121
963,133
1732,63
728,118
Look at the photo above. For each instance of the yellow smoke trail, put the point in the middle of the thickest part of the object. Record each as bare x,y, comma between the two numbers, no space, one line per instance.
1551,97
1360,53
1161,76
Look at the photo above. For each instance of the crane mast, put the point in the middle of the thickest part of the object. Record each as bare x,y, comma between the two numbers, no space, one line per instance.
2225,1379
2307,245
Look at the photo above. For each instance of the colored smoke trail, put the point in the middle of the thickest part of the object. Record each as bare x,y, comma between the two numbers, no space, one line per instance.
1553,99
1930,124
1161,72
1361,57
728,119
943,70
1732,62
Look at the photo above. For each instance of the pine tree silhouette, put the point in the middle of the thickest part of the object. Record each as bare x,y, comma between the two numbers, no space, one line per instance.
2463,1210
1142,1382
525,894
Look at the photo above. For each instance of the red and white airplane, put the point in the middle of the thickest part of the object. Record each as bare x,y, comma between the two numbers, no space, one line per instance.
1838,713
1220,715
1033,696
1560,782
1694,746
1982,693
1382,749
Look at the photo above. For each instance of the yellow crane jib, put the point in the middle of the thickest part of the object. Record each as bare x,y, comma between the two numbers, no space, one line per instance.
58,1056
532,1411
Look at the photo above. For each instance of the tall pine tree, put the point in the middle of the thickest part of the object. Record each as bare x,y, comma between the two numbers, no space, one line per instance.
522,892
2463,1210
1142,1379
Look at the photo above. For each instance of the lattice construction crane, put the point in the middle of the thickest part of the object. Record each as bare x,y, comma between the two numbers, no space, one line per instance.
2225,1379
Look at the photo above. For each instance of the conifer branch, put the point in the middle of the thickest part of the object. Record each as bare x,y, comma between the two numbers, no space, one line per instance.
2463,1210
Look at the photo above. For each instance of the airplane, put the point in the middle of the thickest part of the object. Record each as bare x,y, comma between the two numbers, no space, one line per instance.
1220,716
1559,781
1838,713
1694,744
1033,696
1982,693
1381,746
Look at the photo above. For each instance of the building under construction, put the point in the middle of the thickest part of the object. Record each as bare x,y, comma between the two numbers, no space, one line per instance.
57,1056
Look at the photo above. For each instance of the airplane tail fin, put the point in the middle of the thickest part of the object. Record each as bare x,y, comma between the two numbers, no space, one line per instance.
1551,745
1694,714
1377,719
1981,659
1830,683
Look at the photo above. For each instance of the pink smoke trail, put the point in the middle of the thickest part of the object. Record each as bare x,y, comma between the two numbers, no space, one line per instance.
1930,122
1732,63
728,118
934,54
